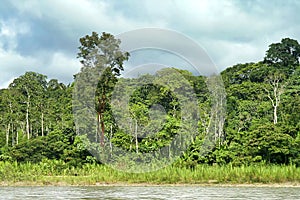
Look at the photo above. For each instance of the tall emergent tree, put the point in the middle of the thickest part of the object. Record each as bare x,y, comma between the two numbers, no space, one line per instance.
284,55
282,59
103,54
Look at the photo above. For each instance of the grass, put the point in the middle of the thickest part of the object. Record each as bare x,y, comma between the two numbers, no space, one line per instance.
59,173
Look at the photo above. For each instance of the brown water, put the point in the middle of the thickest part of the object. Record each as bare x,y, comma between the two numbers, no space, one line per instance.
150,192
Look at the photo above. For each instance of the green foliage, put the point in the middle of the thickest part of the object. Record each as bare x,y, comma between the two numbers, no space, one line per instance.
99,56
283,54
262,124
52,172
57,145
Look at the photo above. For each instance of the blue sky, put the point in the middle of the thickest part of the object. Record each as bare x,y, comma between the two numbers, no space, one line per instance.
43,36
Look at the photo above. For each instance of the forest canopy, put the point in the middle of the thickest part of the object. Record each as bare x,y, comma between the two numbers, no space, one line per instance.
262,122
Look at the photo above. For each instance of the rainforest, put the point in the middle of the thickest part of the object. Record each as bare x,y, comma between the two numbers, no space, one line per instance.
259,141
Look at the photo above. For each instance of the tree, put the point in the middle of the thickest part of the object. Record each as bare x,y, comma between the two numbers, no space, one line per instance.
284,55
274,91
56,115
103,55
262,122
10,115
31,87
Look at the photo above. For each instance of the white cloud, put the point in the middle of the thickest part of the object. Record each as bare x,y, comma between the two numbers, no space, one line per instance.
9,31
233,53
56,66
62,67
231,31
79,15
6,83
13,65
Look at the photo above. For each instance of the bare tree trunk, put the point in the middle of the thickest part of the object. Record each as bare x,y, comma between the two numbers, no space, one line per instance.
221,133
12,136
9,124
27,118
42,123
215,130
221,123
130,131
217,114
136,137
274,96
275,115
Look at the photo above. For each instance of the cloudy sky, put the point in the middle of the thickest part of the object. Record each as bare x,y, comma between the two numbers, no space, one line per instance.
43,36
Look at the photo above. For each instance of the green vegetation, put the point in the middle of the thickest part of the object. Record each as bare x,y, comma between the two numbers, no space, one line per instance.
59,173
260,140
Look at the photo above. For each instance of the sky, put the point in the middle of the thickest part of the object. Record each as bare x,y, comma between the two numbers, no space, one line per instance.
43,36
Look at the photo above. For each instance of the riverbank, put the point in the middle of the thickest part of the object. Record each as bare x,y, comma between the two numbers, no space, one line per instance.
124,184
57,173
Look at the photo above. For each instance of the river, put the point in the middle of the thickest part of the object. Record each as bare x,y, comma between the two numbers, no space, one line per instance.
149,192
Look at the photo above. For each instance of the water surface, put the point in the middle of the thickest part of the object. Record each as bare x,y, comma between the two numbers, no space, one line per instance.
149,192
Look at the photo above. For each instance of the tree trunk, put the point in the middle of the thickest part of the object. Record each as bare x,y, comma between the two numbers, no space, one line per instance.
17,137
27,118
274,96
98,134
136,137
42,123
101,121
102,131
9,124
12,136
275,115
101,109
130,131
7,134
110,138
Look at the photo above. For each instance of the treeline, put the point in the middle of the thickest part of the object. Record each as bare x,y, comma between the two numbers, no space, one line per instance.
262,122
36,120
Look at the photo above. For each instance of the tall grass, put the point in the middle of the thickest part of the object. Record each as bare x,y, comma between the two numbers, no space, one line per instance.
58,172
